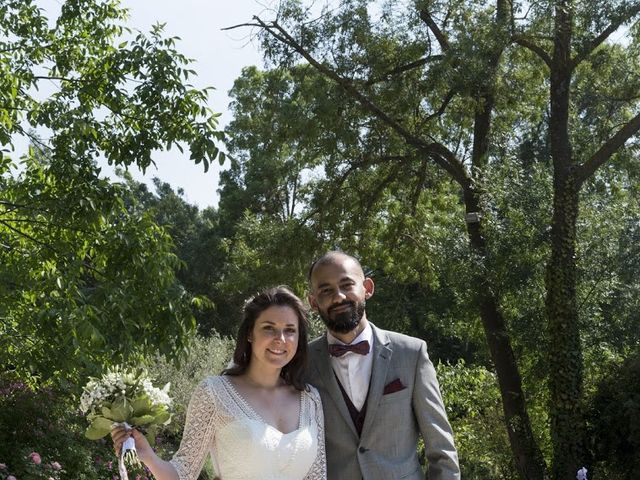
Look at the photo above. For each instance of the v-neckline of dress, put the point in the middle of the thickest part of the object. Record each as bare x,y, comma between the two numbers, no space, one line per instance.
251,412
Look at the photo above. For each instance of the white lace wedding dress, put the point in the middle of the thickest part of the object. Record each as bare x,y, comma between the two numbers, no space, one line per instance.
242,446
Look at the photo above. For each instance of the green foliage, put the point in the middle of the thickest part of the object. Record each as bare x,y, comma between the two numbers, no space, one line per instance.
436,315
46,422
609,269
89,279
614,418
120,99
199,246
84,281
517,211
472,400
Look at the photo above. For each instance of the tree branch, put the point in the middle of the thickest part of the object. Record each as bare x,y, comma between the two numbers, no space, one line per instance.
80,79
447,99
610,147
337,184
438,152
12,205
403,68
27,236
419,187
46,223
17,109
375,193
535,48
60,79
440,36
597,41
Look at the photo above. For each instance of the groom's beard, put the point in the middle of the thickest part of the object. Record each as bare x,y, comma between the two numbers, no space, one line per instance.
343,322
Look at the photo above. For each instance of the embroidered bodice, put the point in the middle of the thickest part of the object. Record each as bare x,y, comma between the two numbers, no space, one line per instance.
242,445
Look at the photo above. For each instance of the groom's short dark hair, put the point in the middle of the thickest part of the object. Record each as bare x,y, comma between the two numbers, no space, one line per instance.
327,259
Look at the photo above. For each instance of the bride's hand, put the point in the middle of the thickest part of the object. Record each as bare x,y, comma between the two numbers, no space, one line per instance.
120,434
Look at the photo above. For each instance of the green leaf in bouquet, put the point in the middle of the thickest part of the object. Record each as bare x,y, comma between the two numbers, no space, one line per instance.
141,405
162,418
121,410
142,420
106,412
152,431
98,428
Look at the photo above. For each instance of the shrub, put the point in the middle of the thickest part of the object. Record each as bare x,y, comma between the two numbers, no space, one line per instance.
472,400
614,420
42,430
42,434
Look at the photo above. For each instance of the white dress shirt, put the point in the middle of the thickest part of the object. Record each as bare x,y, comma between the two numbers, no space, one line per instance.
354,370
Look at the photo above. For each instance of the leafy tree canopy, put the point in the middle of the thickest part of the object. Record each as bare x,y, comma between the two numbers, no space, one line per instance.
118,98
88,277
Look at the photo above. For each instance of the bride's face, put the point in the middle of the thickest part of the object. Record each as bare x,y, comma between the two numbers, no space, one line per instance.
274,338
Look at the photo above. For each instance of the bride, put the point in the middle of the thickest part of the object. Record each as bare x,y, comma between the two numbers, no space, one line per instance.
258,420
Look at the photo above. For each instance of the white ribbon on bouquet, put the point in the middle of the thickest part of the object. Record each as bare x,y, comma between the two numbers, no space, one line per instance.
129,445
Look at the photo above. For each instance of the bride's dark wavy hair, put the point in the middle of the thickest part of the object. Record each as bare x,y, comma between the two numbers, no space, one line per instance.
292,372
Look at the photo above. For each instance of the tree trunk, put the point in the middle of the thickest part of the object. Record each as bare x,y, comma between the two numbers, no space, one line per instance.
527,456
565,381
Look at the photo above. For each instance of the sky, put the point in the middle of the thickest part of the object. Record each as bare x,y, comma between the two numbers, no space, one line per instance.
219,57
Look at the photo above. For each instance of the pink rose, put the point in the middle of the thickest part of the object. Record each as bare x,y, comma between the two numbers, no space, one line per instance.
3,466
35,458
11,477
56,466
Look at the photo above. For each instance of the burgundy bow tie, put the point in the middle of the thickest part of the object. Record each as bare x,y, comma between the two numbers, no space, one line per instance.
337,350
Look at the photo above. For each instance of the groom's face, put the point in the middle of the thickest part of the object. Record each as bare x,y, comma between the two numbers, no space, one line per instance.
339,290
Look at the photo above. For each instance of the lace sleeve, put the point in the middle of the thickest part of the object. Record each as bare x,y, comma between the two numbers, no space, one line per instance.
318,470
198,435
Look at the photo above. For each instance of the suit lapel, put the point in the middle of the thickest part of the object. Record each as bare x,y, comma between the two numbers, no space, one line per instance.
382,357
323,364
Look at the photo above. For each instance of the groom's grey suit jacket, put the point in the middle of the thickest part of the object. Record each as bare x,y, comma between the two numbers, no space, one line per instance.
386,450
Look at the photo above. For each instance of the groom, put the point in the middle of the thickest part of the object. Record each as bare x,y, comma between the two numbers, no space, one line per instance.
379,389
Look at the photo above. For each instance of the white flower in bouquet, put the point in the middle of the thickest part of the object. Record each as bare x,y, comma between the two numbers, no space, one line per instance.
125,397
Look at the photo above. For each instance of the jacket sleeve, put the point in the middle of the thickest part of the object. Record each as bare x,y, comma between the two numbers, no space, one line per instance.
433,423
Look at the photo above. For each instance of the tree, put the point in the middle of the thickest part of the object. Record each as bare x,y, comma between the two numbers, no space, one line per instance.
86,279
401,115
85,282
198,245
451,84
571,169
120,99
265,177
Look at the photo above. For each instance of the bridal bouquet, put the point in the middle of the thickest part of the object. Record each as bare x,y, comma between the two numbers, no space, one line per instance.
125,397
